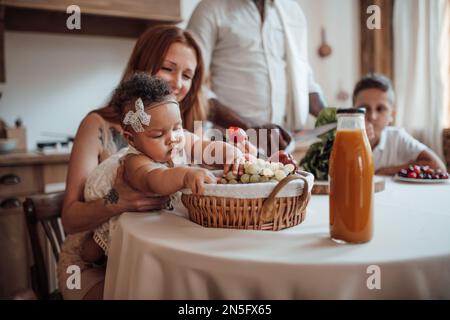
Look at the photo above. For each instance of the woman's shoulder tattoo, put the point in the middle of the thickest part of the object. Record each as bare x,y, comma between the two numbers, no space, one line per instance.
118,139
101,136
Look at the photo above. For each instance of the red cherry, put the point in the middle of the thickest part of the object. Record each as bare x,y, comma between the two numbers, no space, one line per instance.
236,135
283,157
417,170
412,175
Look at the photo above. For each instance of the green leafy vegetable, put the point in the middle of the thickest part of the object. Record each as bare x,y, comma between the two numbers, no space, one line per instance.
317,157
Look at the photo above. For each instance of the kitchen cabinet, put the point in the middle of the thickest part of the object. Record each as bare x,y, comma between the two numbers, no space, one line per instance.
22,174
167,10
116,18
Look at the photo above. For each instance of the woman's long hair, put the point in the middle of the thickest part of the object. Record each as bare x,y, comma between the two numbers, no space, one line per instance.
148,56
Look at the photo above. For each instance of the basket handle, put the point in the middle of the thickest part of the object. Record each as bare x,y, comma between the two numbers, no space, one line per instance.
268,204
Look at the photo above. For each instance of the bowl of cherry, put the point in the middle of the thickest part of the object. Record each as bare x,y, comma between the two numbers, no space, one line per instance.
416,172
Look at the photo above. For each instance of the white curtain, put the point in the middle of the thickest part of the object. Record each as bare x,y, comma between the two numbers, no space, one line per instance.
421,66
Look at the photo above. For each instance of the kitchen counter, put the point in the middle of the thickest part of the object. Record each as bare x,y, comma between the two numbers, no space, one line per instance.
23,174
33,157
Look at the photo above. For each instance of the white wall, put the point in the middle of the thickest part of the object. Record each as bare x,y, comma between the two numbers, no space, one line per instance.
341,69
54,80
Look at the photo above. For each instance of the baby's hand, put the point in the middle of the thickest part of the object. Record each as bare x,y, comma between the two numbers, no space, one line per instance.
195,179
249,150
234,162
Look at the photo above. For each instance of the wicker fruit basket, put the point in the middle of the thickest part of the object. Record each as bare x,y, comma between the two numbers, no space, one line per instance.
258,206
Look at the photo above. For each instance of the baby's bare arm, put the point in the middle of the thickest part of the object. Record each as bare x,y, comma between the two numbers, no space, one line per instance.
211,153
142,174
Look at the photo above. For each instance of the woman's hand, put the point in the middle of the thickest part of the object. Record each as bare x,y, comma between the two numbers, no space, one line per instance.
195,178
128,199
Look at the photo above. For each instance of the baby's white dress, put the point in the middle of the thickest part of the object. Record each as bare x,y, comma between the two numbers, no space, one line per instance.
100,182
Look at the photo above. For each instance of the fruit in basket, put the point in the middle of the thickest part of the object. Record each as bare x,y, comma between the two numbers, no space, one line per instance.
252,169
245,178
260,171
283,157
289,168
422,172
280,174
267,172
236,135
230,176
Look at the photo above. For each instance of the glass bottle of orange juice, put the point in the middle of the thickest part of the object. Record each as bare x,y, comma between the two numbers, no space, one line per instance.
351,180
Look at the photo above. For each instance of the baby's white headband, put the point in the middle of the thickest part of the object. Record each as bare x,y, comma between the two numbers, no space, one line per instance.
139,117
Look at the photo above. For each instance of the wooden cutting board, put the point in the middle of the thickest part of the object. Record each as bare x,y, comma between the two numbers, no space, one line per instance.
322,187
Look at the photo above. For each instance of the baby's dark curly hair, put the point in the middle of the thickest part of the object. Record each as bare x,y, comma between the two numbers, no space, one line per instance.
149,88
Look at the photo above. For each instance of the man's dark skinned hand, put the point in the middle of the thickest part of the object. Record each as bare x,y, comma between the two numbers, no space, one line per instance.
225,117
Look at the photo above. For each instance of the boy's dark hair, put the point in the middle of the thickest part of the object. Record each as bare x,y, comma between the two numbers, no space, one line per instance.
149,88
375,81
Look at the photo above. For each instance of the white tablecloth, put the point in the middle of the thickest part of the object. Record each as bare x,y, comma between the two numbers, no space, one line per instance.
166,256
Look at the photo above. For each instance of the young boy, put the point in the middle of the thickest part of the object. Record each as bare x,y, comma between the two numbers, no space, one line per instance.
393,148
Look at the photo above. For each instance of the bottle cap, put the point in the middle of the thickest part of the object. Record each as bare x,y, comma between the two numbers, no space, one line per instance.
351,111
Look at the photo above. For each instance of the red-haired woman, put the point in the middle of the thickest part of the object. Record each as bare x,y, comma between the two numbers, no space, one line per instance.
167,52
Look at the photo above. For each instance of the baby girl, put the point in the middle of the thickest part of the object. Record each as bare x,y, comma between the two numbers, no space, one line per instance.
156,160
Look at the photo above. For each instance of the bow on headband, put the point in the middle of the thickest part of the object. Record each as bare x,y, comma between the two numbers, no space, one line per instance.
138,118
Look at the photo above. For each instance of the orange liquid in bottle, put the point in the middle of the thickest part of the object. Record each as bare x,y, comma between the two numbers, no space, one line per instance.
351,187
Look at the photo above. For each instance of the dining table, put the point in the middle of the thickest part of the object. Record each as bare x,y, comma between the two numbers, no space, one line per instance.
164,255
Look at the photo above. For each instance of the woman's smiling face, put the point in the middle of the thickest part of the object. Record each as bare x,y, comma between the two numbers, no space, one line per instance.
178,69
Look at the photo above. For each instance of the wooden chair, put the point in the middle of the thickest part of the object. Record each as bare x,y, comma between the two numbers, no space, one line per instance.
446,146
44,209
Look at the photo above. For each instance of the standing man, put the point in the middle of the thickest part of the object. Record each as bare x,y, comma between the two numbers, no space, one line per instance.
255,53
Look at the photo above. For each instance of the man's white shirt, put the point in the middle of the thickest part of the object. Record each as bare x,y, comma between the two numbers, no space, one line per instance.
247,60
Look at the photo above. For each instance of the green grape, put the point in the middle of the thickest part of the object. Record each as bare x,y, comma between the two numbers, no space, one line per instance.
245,178
267,172
280,175
252,169
230,176
288,168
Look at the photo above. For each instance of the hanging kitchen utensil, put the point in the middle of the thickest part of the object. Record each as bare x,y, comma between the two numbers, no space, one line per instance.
324,49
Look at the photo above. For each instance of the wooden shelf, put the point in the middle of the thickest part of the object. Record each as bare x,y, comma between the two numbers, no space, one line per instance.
33,20
166,11
114,18
32,157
